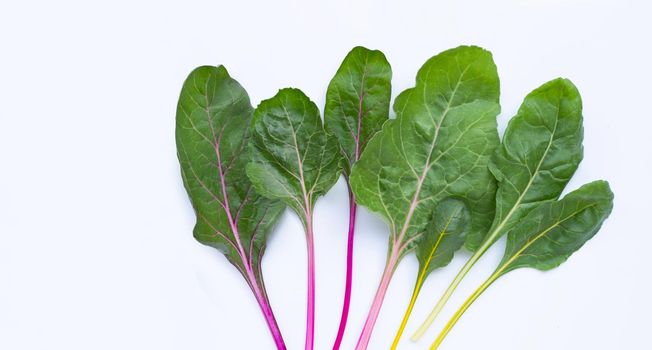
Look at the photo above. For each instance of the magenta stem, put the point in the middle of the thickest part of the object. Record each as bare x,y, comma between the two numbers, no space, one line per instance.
368,328
250,275
269,314
310,319
349,272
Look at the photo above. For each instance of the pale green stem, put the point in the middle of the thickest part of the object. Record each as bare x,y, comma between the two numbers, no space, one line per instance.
451,288
451,323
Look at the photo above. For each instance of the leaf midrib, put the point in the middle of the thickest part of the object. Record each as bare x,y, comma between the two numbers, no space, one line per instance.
542,234
517,204
360,112
421,179
299,163
436,246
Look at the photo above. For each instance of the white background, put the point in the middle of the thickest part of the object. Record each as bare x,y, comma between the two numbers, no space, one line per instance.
96,250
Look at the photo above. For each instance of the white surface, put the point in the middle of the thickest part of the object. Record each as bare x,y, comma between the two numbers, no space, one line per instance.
96,250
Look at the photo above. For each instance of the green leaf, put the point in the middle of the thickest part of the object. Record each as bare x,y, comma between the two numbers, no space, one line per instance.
293,159
357,104
357,101
444,235
547,236
438,146
213,117
541,149
551,232
212,131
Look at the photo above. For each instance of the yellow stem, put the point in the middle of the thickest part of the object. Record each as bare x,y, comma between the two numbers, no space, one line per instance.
408,311
469,301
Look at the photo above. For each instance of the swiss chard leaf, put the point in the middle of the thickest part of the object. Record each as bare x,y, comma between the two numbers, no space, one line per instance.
212,131
551,232
540,151
357,101
437,147
294,160
443,236
357,104
547,236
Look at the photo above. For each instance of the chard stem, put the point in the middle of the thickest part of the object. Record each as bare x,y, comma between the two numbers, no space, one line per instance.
374,311
450,290
266,308
349,272
469,301
310,318
408,311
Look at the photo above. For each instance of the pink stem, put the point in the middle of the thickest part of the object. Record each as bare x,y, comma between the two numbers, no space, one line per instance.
250,275
349,272
310,321
268,313
368,328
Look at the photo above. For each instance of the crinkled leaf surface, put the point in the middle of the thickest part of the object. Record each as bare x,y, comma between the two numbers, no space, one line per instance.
437,147
554,230
444,234
541,149
357,101
213,118
292,157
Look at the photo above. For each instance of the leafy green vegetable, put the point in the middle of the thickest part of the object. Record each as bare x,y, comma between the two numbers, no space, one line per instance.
357,101
213,117
547,236
295,161
437,147
357,104
437,174
443,236
541,149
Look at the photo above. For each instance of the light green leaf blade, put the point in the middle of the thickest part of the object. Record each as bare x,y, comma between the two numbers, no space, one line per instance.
357,101
551,232
437,147
213,117
292,158
444,234
541,149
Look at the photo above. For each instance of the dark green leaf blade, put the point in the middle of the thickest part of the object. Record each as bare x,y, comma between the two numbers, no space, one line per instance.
293,159
437,147
541,149
212,131
357,101
213,117
551,232
444,234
